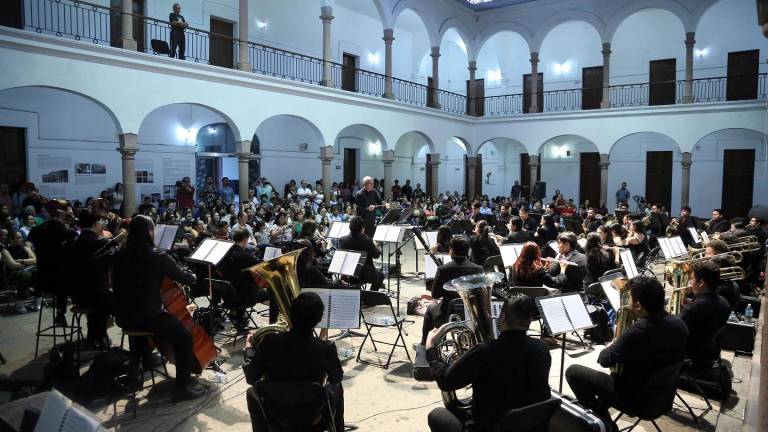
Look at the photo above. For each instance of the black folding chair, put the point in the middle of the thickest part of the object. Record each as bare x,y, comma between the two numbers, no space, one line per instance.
371,321
534,417
291,406
654,398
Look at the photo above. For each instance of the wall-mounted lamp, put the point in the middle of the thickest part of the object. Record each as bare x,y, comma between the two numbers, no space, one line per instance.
211,130
562,68
261,25
701,52
494,75
303,146
373,58
186,135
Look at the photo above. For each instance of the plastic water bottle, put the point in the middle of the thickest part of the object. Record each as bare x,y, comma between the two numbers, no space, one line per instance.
345,352
733,317
227,325
748,312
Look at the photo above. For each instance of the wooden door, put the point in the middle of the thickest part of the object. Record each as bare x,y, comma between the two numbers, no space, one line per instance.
742,75
658,178
116,23
348,81
738,182
11,14
350,165
428,172
479,177
591,87
525,176
589,178
13,156
479,97
527,92
661,90
222,44
430,92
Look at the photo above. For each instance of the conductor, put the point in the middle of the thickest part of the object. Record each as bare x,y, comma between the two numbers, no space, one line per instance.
367,199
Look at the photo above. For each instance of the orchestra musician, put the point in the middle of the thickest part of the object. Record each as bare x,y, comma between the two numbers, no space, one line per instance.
657,221
591,222
281,231
367,200
529,270
308,270
718,223
516,232
635,240
438,313
599,260
655,341
138,273
606,239
506,373
357,240
705,317
443,240
680,225
310,233
529,224
568,277
481,244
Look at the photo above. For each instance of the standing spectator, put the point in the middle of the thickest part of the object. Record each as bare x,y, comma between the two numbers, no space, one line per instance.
185,195
304,193
418,190
516,190
208,193
290,187
396,191
117,199
226,192
622,195
407,190
178,24
264,187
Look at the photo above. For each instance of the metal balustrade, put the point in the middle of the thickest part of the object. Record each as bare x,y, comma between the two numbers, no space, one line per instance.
90,22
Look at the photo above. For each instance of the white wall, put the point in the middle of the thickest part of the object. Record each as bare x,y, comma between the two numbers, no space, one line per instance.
567,49
283,156
560,171
501,158
508,53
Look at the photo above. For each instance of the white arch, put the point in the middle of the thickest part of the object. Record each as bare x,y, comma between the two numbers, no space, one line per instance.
367,128
565,16
460,28
507,141
426,18
424,137
699,10
227,119
634,6
317,135
665,136
500,27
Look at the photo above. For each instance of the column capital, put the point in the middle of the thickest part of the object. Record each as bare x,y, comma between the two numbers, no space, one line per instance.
472,66
326,14
471,161
388,156
243,147
435,52
604,161
533,160
435,159
606,49
326,154
690,39
389,35
534,57
686,160
128,143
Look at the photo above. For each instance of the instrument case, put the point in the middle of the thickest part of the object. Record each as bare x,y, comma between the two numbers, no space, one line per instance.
571,417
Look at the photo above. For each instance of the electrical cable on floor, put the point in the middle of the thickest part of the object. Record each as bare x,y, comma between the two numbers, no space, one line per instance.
396,410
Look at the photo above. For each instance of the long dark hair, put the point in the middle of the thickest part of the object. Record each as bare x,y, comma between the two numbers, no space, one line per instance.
484,229
529,261
139,238
444,235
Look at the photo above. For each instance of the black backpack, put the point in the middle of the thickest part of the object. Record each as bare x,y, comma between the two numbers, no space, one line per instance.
602,332
105,370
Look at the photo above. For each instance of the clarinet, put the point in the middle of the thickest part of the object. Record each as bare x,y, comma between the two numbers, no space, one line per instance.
417,232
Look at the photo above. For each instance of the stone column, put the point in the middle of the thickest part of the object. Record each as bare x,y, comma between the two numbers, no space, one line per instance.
126,38
326,15
435,162
471,186
388,39
603,180
243,157
534,83
326,157
533,163
388,158
472,90
244,64
606,102
435,77
689,43
128,148
686,181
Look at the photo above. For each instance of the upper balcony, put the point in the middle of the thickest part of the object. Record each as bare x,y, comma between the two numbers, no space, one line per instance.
92,23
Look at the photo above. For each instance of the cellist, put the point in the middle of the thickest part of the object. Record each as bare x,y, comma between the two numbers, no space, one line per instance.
138,273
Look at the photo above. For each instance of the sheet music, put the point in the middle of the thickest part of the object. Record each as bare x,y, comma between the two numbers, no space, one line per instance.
510,253
430,267
666,248
388,233
553,311
60,414
582,242
678,242
628,262
344,262
705,237
338,230
695,235
203,250
553,245
430,238
165,235
614,298
342,307
272,253
575,308
673,246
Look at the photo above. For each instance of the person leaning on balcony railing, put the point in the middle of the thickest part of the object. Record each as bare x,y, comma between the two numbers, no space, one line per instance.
178,24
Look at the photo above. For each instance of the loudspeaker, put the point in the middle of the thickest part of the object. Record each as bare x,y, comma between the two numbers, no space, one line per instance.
540,190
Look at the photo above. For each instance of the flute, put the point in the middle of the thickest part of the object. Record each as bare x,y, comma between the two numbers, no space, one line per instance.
557,260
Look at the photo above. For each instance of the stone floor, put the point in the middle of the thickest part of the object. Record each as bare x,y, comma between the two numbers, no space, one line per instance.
376,399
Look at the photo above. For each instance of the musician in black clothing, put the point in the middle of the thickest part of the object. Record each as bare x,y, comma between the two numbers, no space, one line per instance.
481,244
529,270
297,355
599,260
706,316
684,222
509,372
308,270
49,240
138,272
655,341
568,277
367,199
242,292
358,241
529,223
89,286
438,313
516,233
718,223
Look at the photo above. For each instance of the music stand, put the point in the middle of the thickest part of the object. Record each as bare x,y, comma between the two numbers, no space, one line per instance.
564,314
347,263
341,307
210,253
165,236
391,217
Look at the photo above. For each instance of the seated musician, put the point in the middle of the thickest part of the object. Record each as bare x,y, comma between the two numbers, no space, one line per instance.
592,222
244,292
308,270
599,260
705,316
507,373
655,341
297,355
443,240
309,232
718,223
516,233
281,232
357,240
438,313
635,240
681,225
529,270
481,244
657,221
138,273
529,223
570,268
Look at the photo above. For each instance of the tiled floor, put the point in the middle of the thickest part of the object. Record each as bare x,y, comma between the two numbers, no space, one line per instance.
376,399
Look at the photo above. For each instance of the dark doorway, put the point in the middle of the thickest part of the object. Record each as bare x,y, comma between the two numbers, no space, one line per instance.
350,165
222,44
589,178
348,81
591,87
479,98
658,178
478,176
527,92
525,175
13,156
430,92
428,173
11,14
742,75
116,23
661,90
738,182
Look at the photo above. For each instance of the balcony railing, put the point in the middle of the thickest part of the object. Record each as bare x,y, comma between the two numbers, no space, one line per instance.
101,25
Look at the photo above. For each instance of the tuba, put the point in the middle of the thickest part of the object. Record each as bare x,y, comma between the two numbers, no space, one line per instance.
458,337
283,284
